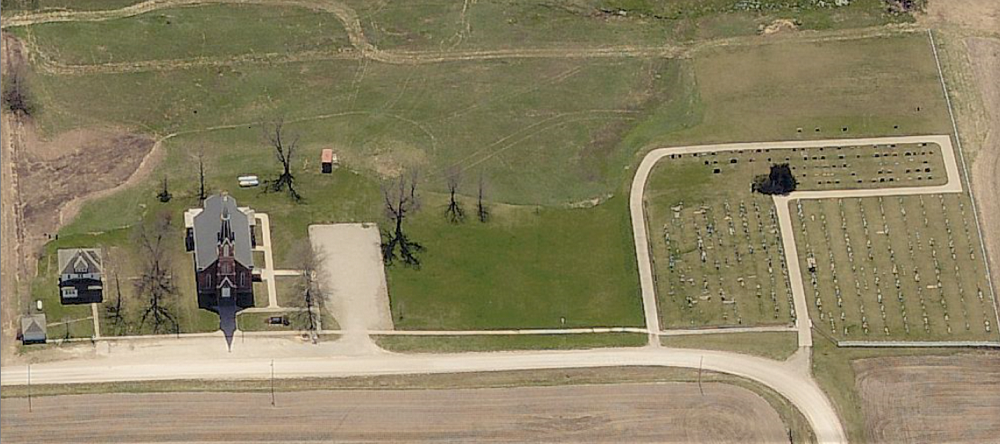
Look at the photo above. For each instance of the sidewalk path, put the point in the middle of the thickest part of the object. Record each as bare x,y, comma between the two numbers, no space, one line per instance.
267,272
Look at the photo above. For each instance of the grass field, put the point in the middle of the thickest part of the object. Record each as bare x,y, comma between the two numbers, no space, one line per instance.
545,134
454,344
22,6
895,268
526,268
297,321
771,345
202,31
443,25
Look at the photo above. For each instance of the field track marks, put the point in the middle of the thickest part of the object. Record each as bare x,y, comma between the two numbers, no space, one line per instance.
345,14
524,132
533,87
365,49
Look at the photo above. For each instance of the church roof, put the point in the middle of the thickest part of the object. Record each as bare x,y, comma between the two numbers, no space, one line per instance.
209,229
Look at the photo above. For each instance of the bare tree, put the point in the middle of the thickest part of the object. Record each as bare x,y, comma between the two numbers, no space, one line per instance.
116,312
201,173
164,194
15,93
455,213
400,200
284,149
66,320
481,210
309,259
155,282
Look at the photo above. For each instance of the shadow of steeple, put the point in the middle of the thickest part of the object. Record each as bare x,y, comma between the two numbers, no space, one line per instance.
227,323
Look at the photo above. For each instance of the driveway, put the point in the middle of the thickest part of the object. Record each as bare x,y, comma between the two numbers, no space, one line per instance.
352,275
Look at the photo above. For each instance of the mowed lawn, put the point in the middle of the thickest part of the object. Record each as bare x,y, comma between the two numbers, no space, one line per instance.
897,268
526,268
123,264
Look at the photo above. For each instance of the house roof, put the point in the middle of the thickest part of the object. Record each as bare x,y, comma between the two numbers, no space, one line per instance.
207,231
79,261
327,156
33,327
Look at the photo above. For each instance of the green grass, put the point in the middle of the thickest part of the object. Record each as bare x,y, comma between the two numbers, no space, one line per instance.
455,344
122,257
260,294
771,345
297,321
543,278
45,288
21,6
767,92
508,117
201,31
290,292
526,268
524,124
436,25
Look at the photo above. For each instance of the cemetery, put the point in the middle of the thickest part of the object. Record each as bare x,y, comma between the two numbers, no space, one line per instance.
895,268
718,259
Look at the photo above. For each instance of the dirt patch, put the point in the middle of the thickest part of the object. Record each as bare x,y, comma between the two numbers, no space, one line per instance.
42,178
71,166
606,413
931,399
972,15
389,158
11,56
779,25
984,56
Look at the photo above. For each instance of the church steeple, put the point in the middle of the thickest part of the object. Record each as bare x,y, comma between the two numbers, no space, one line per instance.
226,272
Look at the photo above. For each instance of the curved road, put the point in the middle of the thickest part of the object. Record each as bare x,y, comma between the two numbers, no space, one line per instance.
784,378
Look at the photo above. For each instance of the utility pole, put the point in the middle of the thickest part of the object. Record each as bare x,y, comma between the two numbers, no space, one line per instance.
29,388
700,364
272,383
